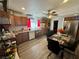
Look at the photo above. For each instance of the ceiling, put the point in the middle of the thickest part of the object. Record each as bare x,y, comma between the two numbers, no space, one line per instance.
37,7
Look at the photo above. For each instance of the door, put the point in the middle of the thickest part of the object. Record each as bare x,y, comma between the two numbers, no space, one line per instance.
55,26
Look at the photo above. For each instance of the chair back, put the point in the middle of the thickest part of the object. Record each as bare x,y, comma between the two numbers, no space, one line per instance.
74,45
53,46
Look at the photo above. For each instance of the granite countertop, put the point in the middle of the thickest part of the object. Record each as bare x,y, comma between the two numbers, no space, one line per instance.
18,32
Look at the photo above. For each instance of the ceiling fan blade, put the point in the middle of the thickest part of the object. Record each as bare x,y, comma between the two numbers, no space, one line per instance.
1,1
54,14
51,12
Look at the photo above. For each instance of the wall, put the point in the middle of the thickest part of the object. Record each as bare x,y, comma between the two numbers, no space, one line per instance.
18,28
60,22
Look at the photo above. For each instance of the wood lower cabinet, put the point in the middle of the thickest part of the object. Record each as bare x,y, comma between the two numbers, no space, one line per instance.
25,36
22,37
39,33
11,18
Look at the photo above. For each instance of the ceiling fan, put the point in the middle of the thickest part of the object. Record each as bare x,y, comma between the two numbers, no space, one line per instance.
4,3
51,12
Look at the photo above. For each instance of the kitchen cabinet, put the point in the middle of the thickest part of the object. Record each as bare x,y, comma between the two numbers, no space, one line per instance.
20,21
7,18
4,18
39,33
11,18
25,36
24,21
19,39
22,37
17,20
4,14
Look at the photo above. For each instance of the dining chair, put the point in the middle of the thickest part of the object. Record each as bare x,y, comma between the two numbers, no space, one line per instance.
54,47
70,49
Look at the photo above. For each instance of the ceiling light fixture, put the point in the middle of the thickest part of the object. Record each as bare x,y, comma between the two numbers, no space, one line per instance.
50,16
23,8
65,1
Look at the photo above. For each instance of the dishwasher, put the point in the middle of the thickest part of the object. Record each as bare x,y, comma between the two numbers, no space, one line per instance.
31,35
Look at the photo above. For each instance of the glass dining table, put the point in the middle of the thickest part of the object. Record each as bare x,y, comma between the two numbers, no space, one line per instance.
63,40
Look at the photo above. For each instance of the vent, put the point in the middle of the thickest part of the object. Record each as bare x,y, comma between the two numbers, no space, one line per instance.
28,14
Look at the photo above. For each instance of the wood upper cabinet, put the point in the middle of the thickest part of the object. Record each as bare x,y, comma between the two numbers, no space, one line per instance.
17,21
24,21
4,18
7,18
11,18
4,14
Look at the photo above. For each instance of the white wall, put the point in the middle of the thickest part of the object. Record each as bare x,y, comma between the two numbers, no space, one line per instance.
60,22
18,28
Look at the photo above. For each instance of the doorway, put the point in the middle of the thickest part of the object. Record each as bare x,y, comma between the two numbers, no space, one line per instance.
55,26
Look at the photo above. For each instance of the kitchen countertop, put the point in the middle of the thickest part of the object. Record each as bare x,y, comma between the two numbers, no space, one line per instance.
18,32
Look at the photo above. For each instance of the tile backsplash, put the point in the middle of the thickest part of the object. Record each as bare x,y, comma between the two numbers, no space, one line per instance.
18,28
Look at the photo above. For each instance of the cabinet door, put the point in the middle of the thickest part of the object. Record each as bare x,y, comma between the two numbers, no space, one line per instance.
36,34
4,18
25,36
3,14
11,17
17,21
19,38
24,21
